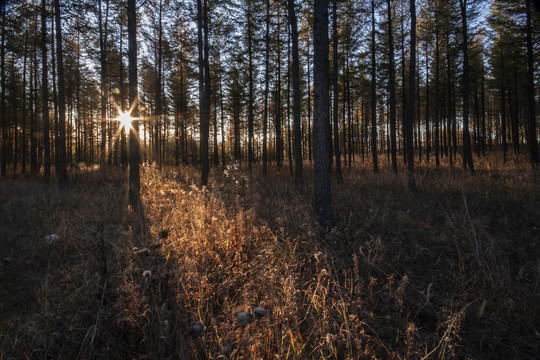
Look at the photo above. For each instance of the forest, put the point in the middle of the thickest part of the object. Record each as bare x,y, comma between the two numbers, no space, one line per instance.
260,179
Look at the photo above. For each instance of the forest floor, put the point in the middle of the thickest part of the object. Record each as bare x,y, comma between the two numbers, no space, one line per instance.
242,270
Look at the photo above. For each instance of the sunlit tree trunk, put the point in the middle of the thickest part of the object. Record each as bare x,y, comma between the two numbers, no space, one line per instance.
204,88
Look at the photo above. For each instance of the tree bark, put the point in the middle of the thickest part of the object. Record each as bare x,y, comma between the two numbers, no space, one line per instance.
103,77
134,155
531,112
266,80
297,148
322,188
250,95
45,95
61,169
391,88
204,88
467,153
3,94
410,107
373,93
335,74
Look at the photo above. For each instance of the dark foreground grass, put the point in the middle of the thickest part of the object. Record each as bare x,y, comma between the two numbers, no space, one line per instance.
242,270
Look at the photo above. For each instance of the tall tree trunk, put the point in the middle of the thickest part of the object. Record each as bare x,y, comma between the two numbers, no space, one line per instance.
250,80
391,87
437,99
215,125
298,175
467,153
289,147
14,120
266,80
103,77
335,74
3,94
410,107
503,109
204,88
222,121
123,140
45,95
158,92
61,170
349,107
34,108
134,155
451,103
309,103
56,137
24,146
428,138
532,141
373,93
322,188
279,136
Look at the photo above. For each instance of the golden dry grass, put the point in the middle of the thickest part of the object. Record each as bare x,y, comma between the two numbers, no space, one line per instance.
449,271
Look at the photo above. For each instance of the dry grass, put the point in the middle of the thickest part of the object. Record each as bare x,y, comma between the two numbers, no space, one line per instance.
241,270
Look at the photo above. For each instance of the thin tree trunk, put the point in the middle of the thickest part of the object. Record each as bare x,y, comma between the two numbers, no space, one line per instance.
250,80
503,110
61,170
298,175
391,87
410,108
103,79
33,115
279,136
428,139
309,104
437,99
373,92
45,95
467,154
532,141
3,94
335,74
266,80
24,120
134,155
